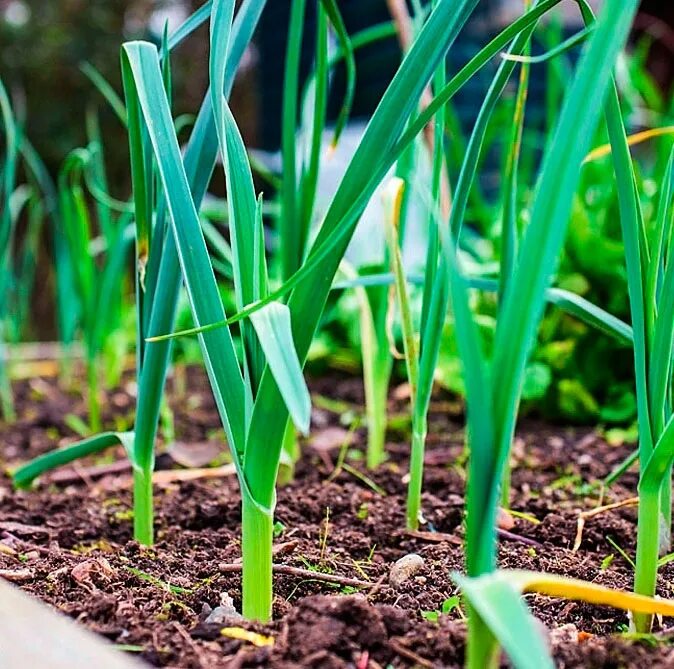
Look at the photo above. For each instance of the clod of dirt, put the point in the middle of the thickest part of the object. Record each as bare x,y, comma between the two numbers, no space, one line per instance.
17,575
404,568
342,627
95,569
566,634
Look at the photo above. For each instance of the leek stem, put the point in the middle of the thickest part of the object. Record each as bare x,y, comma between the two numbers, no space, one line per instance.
416,473
482,649
143,515
646,573
505,484
94,406
376,413
6,398
256,547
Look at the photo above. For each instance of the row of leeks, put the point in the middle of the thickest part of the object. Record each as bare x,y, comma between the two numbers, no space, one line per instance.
260,391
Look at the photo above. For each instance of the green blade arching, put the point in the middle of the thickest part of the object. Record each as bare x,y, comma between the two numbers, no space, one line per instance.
498,603
347,49
291,243
314,108
272,325
307,300
141,64
470,164
662,309
241,201
26,474
575,306
195,20
509,189
106,90
524,299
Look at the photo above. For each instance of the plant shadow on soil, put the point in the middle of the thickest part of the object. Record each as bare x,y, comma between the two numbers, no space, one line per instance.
68,543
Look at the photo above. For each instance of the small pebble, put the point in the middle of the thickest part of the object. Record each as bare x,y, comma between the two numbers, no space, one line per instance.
505,521
404,568
225,613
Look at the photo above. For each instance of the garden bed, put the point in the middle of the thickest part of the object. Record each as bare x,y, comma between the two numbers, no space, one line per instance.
69,542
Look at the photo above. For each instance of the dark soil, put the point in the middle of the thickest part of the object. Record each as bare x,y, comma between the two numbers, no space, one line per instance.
68,541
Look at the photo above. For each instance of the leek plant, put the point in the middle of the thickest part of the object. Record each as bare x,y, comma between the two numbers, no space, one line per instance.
650,275
99,273
159,289
493,385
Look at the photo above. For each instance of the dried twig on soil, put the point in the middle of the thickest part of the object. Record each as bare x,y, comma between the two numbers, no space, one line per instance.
175,475
16,576
408,654
304,573
163,477
511,536
584,515
432,537
377,586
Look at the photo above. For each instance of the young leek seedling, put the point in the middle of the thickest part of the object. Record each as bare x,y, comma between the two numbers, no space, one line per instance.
98,282
156,308
493,387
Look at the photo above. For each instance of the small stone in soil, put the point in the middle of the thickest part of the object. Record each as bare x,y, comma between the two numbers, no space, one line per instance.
404,568
223,613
